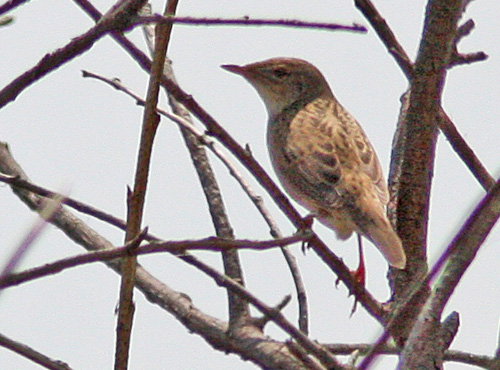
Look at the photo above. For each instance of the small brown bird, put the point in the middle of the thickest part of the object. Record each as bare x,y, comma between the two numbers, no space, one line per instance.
321,154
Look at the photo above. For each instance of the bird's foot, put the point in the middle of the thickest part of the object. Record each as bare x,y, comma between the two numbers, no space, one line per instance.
307,223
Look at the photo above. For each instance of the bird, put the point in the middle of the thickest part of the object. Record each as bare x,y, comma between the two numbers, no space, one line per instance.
321,155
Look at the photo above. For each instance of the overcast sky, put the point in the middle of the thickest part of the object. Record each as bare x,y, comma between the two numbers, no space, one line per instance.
80,136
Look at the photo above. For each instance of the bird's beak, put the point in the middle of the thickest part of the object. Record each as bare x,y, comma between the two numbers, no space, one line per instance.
234,68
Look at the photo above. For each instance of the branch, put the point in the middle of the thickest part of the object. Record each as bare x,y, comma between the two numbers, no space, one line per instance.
465,152
32,354
177,248
386,36
247,21
458,58
136,198
49,208
464,247
238,308
20,183
10,5
450,355
424,112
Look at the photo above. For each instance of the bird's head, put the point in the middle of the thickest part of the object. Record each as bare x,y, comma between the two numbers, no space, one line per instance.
282,81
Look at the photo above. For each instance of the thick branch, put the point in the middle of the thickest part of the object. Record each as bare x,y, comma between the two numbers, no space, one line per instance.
416,174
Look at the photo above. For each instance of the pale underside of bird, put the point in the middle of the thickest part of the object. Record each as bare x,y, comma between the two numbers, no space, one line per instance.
321,154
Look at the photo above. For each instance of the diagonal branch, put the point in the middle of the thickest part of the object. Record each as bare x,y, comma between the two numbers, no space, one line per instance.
10,5
117,19
386,35
465,152
32,354
193,139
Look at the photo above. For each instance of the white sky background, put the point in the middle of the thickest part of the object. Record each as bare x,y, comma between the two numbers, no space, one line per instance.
79,134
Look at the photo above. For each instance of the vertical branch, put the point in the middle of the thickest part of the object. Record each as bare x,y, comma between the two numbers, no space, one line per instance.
238,307
422,127
136,198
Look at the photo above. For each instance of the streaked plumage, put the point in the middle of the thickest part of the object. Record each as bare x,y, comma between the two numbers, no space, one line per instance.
321,154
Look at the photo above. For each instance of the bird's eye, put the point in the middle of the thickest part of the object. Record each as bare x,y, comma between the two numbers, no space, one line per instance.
280,73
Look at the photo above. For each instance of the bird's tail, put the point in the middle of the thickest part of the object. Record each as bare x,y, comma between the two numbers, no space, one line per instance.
367,211
388,242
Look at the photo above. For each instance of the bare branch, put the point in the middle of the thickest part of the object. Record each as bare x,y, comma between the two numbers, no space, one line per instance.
176,248
464,247
10,5
247,21
187,100
32,354
20,183
257,200
451,355
465,152
136,199
386,35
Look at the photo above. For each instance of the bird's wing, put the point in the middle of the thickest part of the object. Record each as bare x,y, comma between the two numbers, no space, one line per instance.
313,159
369,162
324,143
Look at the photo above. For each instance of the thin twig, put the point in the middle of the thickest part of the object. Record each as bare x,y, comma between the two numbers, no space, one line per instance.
176,248
32,354
450,355
18,182
386,35
247,21
465,152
